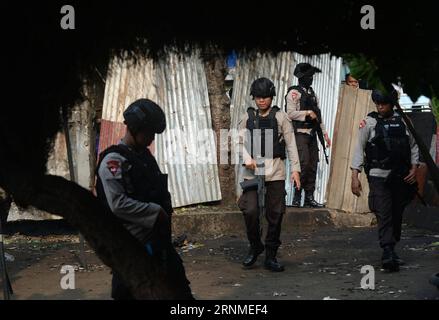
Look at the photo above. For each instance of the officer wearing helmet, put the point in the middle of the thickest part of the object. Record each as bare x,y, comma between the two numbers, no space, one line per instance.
302,107
389,155
270,120
5,205
131,185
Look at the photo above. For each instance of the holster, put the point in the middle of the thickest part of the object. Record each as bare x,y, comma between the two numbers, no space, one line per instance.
248,185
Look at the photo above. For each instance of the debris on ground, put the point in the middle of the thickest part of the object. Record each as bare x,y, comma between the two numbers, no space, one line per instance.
279,294
9,257
190,246
179,241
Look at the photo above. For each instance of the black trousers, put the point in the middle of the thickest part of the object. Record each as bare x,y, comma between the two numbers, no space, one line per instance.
160,238
275,209
308,150
388,201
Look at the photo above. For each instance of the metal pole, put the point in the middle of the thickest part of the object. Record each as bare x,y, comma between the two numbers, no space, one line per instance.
73,178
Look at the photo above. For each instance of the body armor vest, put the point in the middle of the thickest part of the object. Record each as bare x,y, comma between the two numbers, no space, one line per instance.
390,148
265,123
142,178
308,101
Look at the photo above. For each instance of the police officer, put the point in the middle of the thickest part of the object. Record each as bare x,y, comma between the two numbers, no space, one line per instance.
5,205
269,120
389,155
130,184
302,108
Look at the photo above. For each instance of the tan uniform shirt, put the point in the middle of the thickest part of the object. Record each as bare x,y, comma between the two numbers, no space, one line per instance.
274,168
294,113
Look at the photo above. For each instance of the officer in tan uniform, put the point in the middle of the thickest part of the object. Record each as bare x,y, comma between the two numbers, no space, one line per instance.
302,108
268,119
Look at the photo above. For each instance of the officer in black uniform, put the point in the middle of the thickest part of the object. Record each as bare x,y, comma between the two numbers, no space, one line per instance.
131,185
390,156
302,108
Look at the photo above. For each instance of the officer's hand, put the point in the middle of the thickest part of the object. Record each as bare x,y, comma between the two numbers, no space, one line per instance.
362,124
295,179
328,141
312,115
356,187
251,164
411,177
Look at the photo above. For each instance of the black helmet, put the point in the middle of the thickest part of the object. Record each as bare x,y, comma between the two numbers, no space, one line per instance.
305,69
262,87
390,97
143,114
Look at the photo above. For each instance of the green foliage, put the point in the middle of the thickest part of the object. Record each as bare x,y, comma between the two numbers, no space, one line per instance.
435,107
366,69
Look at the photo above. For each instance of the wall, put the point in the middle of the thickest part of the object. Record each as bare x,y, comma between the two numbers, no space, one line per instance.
186,151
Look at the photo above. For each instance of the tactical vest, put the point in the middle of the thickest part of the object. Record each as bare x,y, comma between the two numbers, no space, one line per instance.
390,148
308,101
254,121
141,177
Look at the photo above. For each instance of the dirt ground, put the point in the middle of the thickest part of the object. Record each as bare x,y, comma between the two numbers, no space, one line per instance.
321,263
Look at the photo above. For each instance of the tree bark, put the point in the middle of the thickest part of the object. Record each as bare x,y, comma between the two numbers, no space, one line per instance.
215,67
146,277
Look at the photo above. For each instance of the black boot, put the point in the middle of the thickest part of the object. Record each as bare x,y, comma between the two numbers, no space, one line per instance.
271,261
297,198
310,202
254,252
388,261
397,259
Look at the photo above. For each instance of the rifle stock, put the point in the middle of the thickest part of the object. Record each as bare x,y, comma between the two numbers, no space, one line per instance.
319,132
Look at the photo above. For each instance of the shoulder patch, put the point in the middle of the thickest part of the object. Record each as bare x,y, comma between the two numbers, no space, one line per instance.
113,166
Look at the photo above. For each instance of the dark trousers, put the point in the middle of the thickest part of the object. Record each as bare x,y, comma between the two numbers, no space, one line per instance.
308,150
388,201
160,240
275,209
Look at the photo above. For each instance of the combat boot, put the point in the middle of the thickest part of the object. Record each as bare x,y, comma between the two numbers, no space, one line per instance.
388,261
297,198
254,252
398,260
271,261
310,202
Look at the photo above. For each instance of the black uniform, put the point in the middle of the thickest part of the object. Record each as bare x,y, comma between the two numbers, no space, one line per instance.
387,151
131,185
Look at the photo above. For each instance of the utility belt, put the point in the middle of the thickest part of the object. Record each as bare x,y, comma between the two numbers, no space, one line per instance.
303,125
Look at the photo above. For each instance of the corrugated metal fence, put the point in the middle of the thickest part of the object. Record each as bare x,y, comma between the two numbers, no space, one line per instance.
186,150
279,68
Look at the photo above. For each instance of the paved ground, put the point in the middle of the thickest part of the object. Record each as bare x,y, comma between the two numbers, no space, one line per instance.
324,262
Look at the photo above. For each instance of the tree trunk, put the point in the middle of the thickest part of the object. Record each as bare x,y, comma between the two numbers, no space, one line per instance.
215,67
146,277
